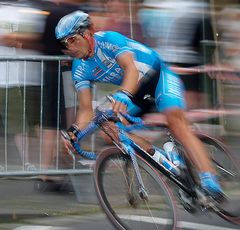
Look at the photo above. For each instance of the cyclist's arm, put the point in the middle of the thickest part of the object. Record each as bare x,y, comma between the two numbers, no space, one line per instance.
85,110
131,74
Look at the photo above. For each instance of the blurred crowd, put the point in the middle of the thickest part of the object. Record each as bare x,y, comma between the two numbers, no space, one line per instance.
36,101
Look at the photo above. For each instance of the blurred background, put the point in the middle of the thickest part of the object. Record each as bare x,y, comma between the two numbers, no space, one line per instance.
199,39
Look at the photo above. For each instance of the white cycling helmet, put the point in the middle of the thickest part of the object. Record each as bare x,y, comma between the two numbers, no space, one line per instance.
76,22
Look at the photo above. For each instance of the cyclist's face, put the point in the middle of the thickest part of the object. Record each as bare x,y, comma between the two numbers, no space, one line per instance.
76,46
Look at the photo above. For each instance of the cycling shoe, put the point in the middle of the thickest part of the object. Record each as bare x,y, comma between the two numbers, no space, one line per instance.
210,184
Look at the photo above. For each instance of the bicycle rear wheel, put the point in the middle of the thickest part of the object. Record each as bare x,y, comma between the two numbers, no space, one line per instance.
228,170
117,191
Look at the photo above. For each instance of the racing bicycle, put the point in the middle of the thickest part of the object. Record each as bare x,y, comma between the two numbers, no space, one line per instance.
136,192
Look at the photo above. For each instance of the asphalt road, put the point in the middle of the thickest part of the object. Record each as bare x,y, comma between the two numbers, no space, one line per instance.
57,207
70,204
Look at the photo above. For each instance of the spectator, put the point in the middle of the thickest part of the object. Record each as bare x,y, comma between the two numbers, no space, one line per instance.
19,81
177,30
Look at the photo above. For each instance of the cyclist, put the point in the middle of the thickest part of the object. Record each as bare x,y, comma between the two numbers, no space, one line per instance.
139,72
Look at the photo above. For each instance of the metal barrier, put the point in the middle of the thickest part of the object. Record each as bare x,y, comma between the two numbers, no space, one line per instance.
8,141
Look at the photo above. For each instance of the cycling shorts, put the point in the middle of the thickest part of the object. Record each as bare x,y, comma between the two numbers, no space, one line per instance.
161,90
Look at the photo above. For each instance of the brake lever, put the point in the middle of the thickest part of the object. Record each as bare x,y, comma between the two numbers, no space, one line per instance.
110,98
66,136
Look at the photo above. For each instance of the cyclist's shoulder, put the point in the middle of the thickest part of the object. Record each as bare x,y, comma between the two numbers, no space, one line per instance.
109,36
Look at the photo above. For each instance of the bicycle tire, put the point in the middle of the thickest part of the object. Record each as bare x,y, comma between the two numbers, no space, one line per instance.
223,159
113,176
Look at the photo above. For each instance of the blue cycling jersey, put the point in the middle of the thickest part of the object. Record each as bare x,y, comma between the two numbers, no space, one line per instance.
103,66
165,86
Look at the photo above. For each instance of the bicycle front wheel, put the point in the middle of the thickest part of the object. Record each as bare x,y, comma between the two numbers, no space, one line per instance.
118,193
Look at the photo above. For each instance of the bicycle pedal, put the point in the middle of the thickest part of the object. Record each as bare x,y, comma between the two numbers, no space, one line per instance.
202,197
208,197
217,198
206,201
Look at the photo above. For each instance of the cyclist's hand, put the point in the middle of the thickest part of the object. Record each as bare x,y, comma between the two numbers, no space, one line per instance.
69,137
122,102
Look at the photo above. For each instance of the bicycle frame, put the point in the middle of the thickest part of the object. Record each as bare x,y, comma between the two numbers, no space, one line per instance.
131,148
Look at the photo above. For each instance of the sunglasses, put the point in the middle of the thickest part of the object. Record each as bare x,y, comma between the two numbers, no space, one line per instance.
69,40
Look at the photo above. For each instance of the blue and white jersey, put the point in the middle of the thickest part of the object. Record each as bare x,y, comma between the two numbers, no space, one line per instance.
103,66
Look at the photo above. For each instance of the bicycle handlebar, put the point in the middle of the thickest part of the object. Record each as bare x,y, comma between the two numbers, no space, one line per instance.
76,146
100,117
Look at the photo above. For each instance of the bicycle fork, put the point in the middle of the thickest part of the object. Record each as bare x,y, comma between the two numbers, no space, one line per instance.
128,149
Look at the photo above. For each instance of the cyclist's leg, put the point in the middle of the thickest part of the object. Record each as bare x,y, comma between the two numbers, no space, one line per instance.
170,100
